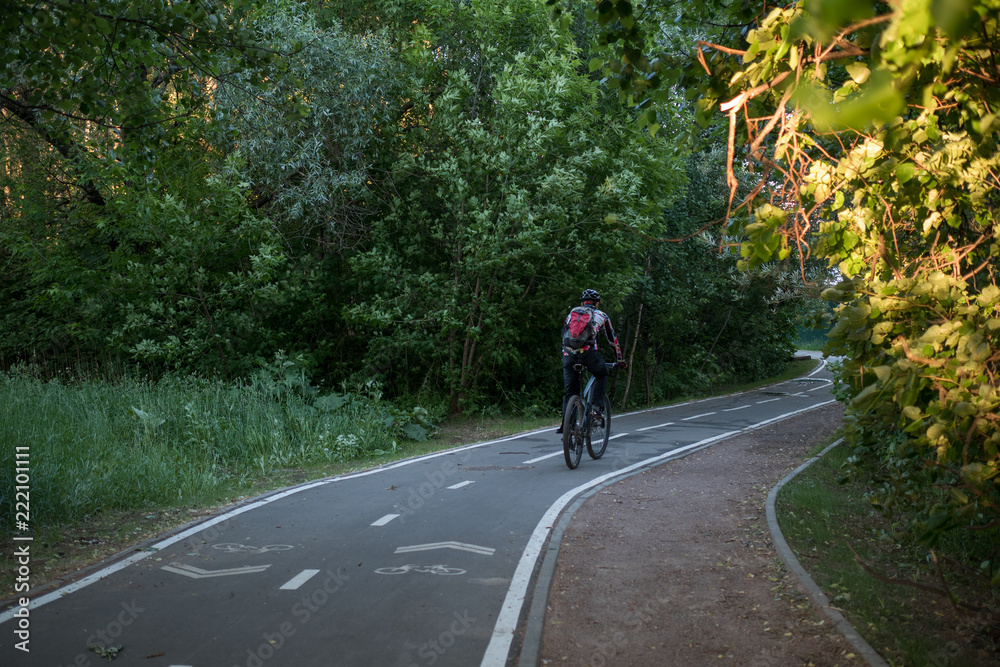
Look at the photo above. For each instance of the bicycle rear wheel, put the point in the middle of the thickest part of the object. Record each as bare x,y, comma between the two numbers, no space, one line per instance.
600,431
573,435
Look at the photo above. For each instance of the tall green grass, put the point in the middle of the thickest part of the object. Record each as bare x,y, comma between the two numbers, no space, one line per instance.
132,443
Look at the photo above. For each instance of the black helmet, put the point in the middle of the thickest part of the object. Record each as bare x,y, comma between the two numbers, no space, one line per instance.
590,295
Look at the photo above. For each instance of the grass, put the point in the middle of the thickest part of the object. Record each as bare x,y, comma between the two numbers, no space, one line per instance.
822,519
136,444
115,464
811,339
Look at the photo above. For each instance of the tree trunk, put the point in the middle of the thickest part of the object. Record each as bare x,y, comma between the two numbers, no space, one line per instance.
631,357
635,338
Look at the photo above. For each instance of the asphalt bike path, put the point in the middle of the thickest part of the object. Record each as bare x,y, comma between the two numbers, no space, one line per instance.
429,561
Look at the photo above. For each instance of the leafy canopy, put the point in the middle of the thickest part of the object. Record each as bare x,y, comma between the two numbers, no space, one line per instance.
875,129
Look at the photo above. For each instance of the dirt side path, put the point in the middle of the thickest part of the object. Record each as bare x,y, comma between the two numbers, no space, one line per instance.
676,567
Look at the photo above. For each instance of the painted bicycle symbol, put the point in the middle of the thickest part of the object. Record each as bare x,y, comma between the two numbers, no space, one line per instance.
429,569
233,548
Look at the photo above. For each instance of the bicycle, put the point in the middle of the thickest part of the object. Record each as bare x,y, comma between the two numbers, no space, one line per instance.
586,423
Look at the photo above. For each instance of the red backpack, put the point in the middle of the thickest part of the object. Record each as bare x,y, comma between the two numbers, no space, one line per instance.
580,330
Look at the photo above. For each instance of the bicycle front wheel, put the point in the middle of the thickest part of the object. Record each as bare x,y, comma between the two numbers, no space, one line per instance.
600,430
573,436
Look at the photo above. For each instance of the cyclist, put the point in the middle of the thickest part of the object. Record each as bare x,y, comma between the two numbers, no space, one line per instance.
588,355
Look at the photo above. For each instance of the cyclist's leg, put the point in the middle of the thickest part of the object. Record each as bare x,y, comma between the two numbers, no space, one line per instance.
594,362
571,382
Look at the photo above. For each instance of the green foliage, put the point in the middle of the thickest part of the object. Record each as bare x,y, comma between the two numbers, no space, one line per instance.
96,81
694,321
195,280
134,444
311,143
829,522
505,199
875,129
415,198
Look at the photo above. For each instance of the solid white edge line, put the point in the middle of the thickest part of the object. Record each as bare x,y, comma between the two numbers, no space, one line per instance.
384,520
506,625
299,579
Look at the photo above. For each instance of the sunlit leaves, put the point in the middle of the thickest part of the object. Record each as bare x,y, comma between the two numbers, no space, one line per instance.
90,77
881,121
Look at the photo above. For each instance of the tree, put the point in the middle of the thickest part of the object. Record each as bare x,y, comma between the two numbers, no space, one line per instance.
694,320
102,82
880,123
311,144
506,199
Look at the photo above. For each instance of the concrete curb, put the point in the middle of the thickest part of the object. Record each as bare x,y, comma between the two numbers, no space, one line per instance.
815,592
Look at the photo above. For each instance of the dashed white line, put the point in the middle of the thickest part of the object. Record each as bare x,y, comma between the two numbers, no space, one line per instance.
386,519
299,579
735,409
706,414
542,458
460,484
647,428
617,435
770,400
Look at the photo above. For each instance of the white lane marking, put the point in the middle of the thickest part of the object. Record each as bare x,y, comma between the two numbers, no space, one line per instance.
542,458
299,579
705,414
234,548
198,573
742,407
503,631
822,386
194,530
429,569
770,400
617,435
458,546
460,484
386,519
647,428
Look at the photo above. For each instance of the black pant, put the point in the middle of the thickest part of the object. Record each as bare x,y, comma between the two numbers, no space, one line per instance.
594,363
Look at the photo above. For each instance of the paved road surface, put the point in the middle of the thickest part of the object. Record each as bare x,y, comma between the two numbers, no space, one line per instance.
429,561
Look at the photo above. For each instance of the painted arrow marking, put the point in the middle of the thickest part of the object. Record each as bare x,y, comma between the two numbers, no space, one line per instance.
459,546
198,573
